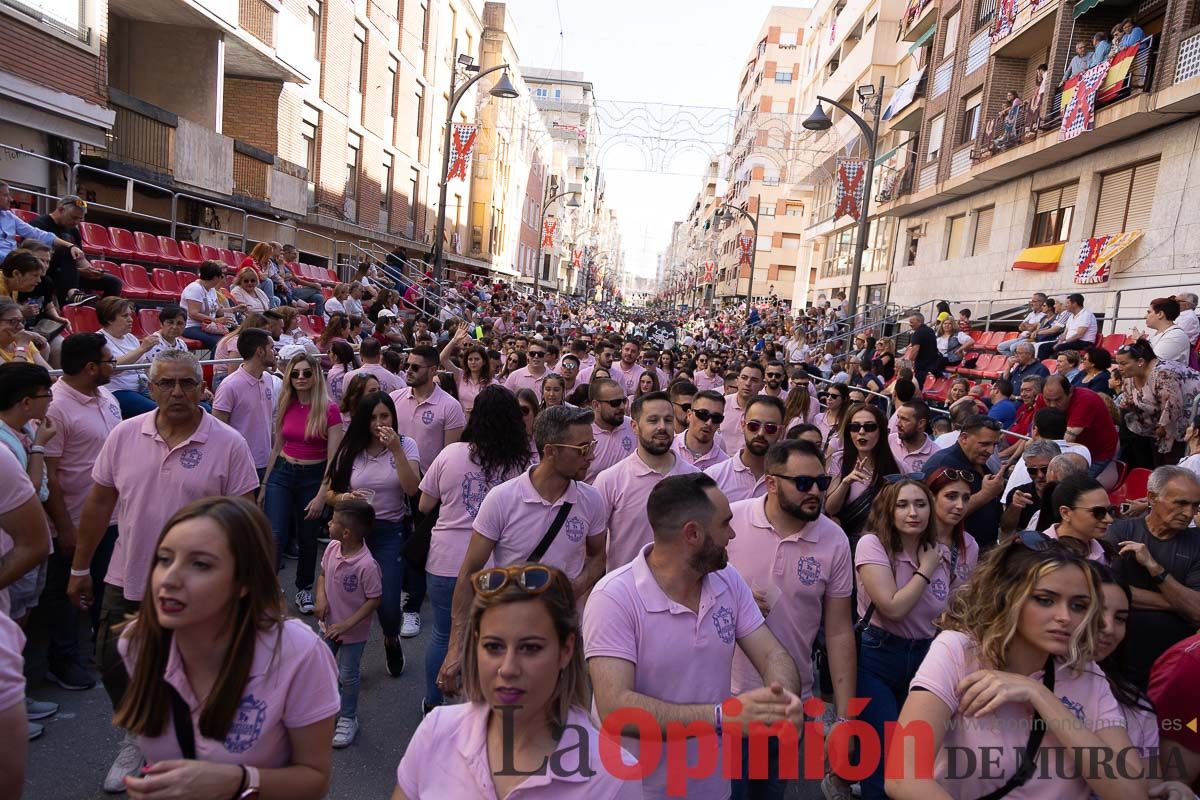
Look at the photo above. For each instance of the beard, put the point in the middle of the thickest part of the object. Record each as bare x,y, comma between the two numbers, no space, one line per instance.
799,510
655,448
710,557
758,447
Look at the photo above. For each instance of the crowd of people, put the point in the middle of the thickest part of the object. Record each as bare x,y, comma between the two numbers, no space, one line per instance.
746,534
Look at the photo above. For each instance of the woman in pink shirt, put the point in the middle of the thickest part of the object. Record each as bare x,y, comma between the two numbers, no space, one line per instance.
530,406
524,679
226,697
344,360
308,431
375,463
951,491
836,397
801,405
13,720
476,371
361,385
1083,512
553,389
1019,636
902,588
492,449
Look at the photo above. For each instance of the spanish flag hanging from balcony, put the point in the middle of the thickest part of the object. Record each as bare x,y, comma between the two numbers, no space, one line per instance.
1041,259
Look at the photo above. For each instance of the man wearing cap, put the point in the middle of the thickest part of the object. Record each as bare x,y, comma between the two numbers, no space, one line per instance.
69,270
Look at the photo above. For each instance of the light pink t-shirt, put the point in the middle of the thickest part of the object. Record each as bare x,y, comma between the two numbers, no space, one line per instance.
680,655
379,473
731,427
736,480
12,664
83,423
611,447
350,581
469,390
250,404
951,658
805,570
153,482
714,383
388,381
447,757
516,517
918,622
524,379
460,484
715,455
625,487
292,684
956,563
1095,551
15,490
428,420
628,379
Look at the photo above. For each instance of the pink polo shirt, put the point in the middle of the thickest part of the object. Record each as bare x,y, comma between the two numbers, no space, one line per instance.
628,379
388,381
468,391
736,480
715,383
12,664
15,491
83,423
428,420
447,757
733,419
918,622
805,569
679,655
350,581
459,483
154,481
292,684
516,517
952,657
611,447
962,566
1095,551
715,455
625,487
524,379
911,461
249,403
378,473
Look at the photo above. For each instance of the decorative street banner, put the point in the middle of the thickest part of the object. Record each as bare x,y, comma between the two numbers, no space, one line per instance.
850,187
1006,17
1092,266
1043,258
579,130
746,246
1079,112
462,139
710,268
576,258
548,229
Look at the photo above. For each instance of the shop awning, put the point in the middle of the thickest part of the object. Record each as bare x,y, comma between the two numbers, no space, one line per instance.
1042,259
1084,6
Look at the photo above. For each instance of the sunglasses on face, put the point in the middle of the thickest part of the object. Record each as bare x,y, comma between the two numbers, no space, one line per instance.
186,384
686,407
704,416
867,427
582,449
614,403
302,373
414,367
805,483
771,428
530,578
1099,512
1036,470
535,354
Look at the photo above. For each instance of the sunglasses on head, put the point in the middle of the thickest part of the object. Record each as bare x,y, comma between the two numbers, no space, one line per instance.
868,427
530,578
1099,512
771,428
952,474
704,416
804,483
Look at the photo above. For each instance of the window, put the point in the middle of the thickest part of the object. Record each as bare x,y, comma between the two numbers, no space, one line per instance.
956,227
385,191
767,210
308,131
390,86
420,101
314,18
787,38
541,91
983,230
356,60
783,77
970,127
424,25
1126,198
558,94
353,146
937,126
763,245
795,209
1053,212
414,199
910,251
791,241
951,35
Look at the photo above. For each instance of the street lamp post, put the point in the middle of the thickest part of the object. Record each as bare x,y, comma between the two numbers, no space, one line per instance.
537,269
503,90
819,121
753,220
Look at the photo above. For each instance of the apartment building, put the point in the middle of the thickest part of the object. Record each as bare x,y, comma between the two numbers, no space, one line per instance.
762,182
991,180
692,251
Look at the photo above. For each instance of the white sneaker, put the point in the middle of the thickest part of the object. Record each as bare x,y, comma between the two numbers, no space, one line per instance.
411,625
127,762
344,733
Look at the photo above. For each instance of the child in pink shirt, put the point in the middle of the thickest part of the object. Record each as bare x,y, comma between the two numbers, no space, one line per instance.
349,592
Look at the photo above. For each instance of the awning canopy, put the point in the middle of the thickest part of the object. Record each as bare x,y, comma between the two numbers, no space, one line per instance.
1084,6
924,39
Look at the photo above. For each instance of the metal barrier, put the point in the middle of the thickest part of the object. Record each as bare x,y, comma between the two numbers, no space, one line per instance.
886,397
175,212
145,365
68,175
130,183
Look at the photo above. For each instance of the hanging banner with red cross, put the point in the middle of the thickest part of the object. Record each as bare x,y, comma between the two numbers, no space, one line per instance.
576,258
1079,114
462,139
850,187
709,268
746,246
548,229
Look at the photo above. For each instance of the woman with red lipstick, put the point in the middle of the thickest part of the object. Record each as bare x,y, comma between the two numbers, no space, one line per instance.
524,679
226,698
1013,671
859,468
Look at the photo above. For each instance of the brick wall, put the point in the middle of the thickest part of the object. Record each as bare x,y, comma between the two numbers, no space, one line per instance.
377,105
251,112
257,18
38,56
337,37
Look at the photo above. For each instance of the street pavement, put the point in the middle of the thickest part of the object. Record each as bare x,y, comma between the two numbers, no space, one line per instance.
71,758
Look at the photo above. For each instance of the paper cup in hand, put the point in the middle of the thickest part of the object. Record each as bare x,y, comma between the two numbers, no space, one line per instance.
366,494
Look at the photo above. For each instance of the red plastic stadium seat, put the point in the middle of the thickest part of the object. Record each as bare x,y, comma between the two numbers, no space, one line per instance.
1051,364
184,277
148,319
165,280
123,240
317,323
83,319
108,266
332,275
1132,488
210,253
306,325
190,251
28,216
327,292
229,258
96,241
993,367
1113,341
238,257
136,280
149,250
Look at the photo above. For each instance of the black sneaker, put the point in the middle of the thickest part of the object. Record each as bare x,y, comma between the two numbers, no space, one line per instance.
71,675
292,551
426,708
393,657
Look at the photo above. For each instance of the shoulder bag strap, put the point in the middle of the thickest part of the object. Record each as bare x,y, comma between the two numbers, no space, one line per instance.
551,533
181,716
1037,731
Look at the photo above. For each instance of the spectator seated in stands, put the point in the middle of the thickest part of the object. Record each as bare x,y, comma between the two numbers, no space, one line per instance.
74,277
19,273
17,343
1067,365
299,288
337,303
1024,364
12,227
1169,341
1093,370
248,290
129,386
40,306
1029,325
1079,331
1004,407
1023,498
1088,423
208,320
262,261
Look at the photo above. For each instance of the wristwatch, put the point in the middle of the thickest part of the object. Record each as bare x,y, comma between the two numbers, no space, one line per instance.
1161,577
37,449
251,791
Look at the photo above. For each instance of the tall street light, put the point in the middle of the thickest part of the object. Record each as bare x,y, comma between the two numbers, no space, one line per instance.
503,90
572,203
872,101
726,212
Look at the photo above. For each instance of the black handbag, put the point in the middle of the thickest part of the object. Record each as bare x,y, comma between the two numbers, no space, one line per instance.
551,534
1037,731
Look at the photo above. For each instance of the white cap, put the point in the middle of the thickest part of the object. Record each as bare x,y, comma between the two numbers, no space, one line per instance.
290,351
384,312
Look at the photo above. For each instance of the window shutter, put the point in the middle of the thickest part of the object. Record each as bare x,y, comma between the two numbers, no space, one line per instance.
954,240
983,230
1069,193
936,127
1141,197
1048,200
1114,196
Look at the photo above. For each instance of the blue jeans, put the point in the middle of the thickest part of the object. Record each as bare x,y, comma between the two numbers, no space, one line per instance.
348,658
770,788
289,489
209,340
133,403
441,593
386,543
1097,466
886,665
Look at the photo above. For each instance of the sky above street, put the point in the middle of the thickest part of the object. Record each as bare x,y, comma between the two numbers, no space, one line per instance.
652,57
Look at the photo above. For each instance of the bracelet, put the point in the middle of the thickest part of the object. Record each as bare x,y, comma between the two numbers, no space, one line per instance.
37,450
80,573
923,575
241,784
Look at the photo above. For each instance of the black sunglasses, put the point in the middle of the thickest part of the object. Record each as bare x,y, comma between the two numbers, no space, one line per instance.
704,416
685,406
1099,512
869,427
616,403
804,483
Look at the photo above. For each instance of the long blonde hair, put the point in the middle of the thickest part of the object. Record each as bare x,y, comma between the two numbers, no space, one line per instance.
316,426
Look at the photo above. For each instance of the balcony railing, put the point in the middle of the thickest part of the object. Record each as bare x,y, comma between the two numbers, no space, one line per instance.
142,135
1188,64
913,12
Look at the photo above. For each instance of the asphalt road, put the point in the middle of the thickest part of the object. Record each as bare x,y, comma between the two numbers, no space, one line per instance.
71,758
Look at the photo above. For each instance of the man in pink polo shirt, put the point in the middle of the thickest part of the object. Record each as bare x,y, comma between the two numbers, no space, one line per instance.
707,376
611,429
626,484
370,352
245,399
798,563
697,444
749,384
775,380
627,372
516,520
744,476
149,468
660,633
534,373
911,444
603,360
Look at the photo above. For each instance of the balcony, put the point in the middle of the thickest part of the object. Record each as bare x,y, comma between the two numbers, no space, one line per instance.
919,17
1020,29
